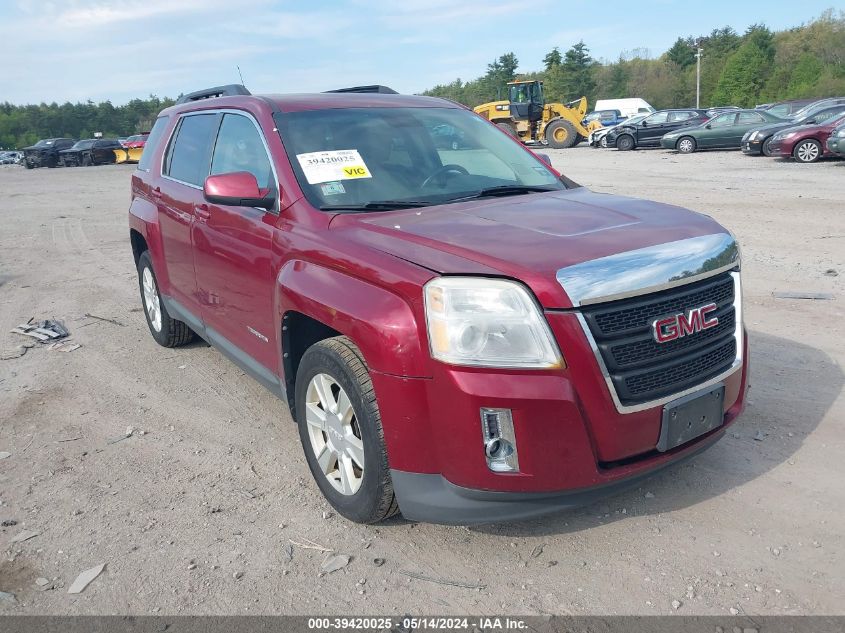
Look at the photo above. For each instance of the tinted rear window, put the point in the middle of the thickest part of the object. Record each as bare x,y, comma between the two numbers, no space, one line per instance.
189,154
152,143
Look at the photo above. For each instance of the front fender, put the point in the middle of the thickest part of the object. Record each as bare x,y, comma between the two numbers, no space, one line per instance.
380,322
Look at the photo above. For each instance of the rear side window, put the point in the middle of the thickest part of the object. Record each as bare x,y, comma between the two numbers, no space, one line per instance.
188,157
152,142
750,117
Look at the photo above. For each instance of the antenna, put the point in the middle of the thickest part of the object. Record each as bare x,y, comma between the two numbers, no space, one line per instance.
240,75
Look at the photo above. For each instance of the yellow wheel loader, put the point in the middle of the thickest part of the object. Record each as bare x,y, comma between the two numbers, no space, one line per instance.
529,118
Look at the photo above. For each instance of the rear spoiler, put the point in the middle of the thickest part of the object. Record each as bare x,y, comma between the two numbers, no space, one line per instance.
229,90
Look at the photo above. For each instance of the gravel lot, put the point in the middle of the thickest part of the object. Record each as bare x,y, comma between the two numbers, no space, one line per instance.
194,516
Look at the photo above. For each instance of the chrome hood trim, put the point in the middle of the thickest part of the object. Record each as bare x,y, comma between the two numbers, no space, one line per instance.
649,269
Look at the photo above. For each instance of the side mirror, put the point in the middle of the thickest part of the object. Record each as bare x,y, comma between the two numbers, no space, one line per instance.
237,189
644,123
544,157
708,126
810,121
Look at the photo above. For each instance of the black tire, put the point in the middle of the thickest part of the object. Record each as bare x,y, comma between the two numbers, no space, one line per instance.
807,151
508,129
86,160
28,165
341,359
561,134
173,333
603,141
625,143
765,147
686,148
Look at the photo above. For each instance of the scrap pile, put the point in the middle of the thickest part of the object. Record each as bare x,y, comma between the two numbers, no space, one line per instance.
50,332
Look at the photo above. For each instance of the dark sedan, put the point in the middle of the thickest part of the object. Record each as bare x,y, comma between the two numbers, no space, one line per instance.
723,131
649,131
836,141
92,151
757,140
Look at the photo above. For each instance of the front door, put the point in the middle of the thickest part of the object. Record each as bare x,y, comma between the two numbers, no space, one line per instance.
233,249
745,121
652,128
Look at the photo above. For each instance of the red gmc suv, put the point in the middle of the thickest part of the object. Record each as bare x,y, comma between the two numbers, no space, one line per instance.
463,335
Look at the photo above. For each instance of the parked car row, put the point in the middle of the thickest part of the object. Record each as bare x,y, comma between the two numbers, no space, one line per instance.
800,131
67,152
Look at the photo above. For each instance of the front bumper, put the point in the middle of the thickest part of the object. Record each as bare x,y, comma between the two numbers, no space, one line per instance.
574,445
752,148
836,145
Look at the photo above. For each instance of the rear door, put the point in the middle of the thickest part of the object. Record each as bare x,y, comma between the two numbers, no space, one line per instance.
745,121
184,169
233,248
652,128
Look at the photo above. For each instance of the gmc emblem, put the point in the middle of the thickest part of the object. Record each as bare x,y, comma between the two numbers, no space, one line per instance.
679,325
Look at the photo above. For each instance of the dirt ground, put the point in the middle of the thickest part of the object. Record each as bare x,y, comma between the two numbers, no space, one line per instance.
194,516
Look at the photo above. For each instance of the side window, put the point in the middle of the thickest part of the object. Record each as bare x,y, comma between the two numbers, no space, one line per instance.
155,136
723,120
657,118
188,157
750,117
240,148
681,115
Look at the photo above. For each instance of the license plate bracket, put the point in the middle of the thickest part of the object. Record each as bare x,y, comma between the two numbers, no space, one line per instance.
690,417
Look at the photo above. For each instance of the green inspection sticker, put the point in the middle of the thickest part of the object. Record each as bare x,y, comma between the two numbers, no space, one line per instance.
332,188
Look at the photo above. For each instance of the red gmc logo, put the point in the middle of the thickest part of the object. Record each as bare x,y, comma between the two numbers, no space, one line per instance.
679,325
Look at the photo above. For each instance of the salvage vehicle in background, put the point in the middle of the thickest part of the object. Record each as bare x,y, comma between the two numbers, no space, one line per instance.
836,141
528,117
607,118
805,143
132,149
92,151
45,153
598,138
463,336
785,109
723,131
756,140
10,158
649,131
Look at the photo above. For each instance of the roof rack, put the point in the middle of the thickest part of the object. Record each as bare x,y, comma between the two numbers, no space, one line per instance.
229,90
374,88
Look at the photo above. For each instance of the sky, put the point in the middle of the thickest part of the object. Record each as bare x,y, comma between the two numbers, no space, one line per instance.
75,50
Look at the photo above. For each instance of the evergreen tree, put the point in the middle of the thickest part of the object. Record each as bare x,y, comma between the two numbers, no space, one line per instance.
552,59
578,71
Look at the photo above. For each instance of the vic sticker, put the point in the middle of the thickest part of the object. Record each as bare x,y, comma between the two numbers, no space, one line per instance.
342,164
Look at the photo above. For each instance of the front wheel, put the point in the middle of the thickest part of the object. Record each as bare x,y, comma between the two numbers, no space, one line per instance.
807,151
561,134
167,331
341,432
685,145
625,143
603,142
508,129
766,147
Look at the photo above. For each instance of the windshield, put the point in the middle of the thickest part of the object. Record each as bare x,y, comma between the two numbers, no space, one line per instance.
44,143
354,157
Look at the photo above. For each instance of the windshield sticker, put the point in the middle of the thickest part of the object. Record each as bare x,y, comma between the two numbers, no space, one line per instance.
332,188
343,164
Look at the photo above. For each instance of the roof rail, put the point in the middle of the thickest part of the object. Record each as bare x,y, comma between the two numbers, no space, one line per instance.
374,88
218,91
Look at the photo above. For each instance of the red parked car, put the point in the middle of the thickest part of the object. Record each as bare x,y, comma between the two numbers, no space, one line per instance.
136,141
805,143
462,335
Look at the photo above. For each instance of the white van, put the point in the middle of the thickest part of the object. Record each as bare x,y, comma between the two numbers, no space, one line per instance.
627,107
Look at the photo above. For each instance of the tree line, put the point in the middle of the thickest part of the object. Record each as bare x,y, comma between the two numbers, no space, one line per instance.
755,67
24,125
758,66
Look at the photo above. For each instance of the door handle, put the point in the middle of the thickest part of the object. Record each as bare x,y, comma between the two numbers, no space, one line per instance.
156,192
202,212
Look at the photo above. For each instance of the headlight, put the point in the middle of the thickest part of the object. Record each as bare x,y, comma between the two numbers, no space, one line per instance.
487,323
754,134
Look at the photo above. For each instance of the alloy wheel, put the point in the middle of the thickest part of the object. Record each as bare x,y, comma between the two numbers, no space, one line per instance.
334,434
807,152
685,146
151,299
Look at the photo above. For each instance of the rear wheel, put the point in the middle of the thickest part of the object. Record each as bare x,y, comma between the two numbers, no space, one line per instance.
685,145
807,151
766,148
340,429
625,143
507,128
167,331
561,134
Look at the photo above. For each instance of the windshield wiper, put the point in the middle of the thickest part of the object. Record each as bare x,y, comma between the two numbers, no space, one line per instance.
503,190
380,205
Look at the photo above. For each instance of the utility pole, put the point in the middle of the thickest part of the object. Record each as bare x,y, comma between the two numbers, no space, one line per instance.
698,51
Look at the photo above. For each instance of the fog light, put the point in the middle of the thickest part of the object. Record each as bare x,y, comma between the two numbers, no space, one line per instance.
499,440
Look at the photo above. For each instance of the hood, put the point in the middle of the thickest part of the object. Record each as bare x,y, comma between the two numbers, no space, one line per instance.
526,237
